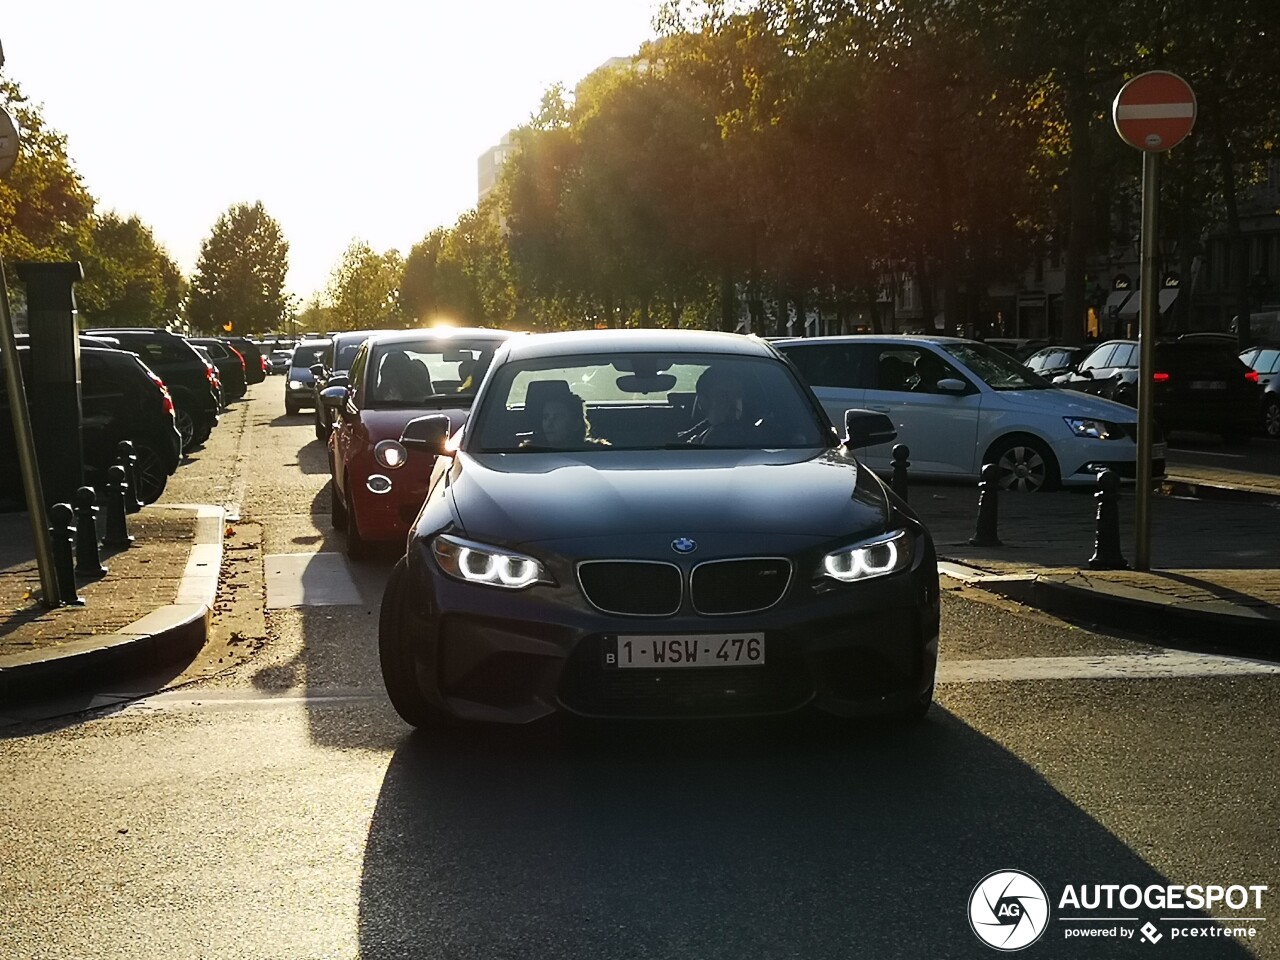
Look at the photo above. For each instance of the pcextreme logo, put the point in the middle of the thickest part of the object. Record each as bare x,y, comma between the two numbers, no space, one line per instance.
1009,910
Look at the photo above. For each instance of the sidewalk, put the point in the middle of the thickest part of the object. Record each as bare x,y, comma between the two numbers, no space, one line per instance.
1214,579
152,608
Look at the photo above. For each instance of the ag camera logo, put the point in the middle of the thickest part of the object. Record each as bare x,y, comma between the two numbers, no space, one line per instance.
1008,910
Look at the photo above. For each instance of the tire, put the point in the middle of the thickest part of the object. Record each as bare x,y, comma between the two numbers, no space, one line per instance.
291,409
204,427
186,427
337,509
917,711
1271,418
1023,465
396,656
150,474
322,429
358,548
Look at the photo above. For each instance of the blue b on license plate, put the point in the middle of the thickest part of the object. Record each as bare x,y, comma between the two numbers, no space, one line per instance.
657,651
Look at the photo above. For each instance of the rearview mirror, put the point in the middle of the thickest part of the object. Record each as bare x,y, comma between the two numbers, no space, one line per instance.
333,397
427,434
866,428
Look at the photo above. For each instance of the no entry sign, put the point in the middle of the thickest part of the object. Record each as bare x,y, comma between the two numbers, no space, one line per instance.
1154,111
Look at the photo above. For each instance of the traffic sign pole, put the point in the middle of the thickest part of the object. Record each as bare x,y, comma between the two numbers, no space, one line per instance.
1148,313
1153,112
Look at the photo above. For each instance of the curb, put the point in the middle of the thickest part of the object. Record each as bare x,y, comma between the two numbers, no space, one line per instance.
1222,492
168,635
1224,629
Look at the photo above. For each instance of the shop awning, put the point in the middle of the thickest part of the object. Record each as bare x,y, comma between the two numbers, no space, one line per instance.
1133,306
1115,300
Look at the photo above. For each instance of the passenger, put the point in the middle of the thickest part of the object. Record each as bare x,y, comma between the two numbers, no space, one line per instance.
402,380
722,402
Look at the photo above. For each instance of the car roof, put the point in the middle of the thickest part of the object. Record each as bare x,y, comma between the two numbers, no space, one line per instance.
440,333
647,340
874,338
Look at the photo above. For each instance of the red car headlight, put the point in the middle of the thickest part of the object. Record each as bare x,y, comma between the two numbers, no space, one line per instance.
390,454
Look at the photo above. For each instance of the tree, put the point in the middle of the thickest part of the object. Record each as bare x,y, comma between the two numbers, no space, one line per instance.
44,206
364,289
238,285
129,279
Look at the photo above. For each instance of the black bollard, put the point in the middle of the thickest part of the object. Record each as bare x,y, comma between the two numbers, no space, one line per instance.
988,509
117,524
129,460
63,519
88,560
1106,542
898,482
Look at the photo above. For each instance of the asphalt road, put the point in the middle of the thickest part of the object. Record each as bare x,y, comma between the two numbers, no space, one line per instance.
1259,456
270,804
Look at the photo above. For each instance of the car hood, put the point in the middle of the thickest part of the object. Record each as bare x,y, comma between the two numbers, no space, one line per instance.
388,424
531,497
1066,403
301,375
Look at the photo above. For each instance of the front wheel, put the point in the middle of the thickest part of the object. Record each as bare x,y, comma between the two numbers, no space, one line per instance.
1271,418
186,426
358,548
397,658
1023,465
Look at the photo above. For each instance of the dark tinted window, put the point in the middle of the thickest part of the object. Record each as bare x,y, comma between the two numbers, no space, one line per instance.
827,365
305,356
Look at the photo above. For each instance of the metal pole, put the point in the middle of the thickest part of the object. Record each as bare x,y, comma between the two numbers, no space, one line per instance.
51,595
1146,356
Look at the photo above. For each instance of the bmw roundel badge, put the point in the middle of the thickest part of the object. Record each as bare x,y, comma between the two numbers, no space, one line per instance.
684,545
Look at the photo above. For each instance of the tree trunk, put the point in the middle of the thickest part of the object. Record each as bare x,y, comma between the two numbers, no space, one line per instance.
1080,183
1236,251
728,300
926,290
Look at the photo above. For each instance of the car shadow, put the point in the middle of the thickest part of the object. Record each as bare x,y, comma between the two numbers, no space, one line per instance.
785,839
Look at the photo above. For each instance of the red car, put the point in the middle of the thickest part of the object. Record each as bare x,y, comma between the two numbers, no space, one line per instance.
377,485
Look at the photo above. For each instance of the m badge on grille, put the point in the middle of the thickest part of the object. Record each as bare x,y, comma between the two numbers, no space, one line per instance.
684,545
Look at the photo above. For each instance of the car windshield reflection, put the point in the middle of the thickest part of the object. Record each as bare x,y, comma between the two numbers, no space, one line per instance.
997,370
597,403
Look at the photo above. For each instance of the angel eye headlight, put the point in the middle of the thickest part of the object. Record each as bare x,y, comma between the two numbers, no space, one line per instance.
391,454
873,558
479,563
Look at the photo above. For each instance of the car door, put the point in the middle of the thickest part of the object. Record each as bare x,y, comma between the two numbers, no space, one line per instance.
831,371
1119,373
1083,378
347,426
940,428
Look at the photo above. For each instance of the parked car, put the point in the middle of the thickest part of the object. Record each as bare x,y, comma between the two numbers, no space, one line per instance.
336,363
959,404
120,400
279,360
255,364
230,363
1264,361
217,380
1049,362
187,375
377,487
1199,384
299,379
654,576
1020,348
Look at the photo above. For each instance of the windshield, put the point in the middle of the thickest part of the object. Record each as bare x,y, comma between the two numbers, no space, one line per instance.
646,401
346,353
997,370
305,357
421,373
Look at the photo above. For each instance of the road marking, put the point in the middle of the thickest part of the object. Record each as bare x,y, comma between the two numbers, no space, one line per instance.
309,580
1122,667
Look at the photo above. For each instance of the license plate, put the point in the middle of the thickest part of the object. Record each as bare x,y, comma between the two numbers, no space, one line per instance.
656,651
1208,385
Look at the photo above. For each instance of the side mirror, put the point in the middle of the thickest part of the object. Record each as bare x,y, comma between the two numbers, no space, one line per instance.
333,397
865,428
317,370
1087,373
427,434
951,385
338,380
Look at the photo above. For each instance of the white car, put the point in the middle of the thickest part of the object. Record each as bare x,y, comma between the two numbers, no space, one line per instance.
960,404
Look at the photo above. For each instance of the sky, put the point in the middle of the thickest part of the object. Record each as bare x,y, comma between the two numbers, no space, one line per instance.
354,121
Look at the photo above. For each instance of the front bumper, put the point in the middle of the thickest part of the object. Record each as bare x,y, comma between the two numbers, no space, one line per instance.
513,657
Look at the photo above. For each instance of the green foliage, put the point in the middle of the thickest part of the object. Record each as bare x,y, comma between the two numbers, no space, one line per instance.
364,289
129,279
239,277
45,208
